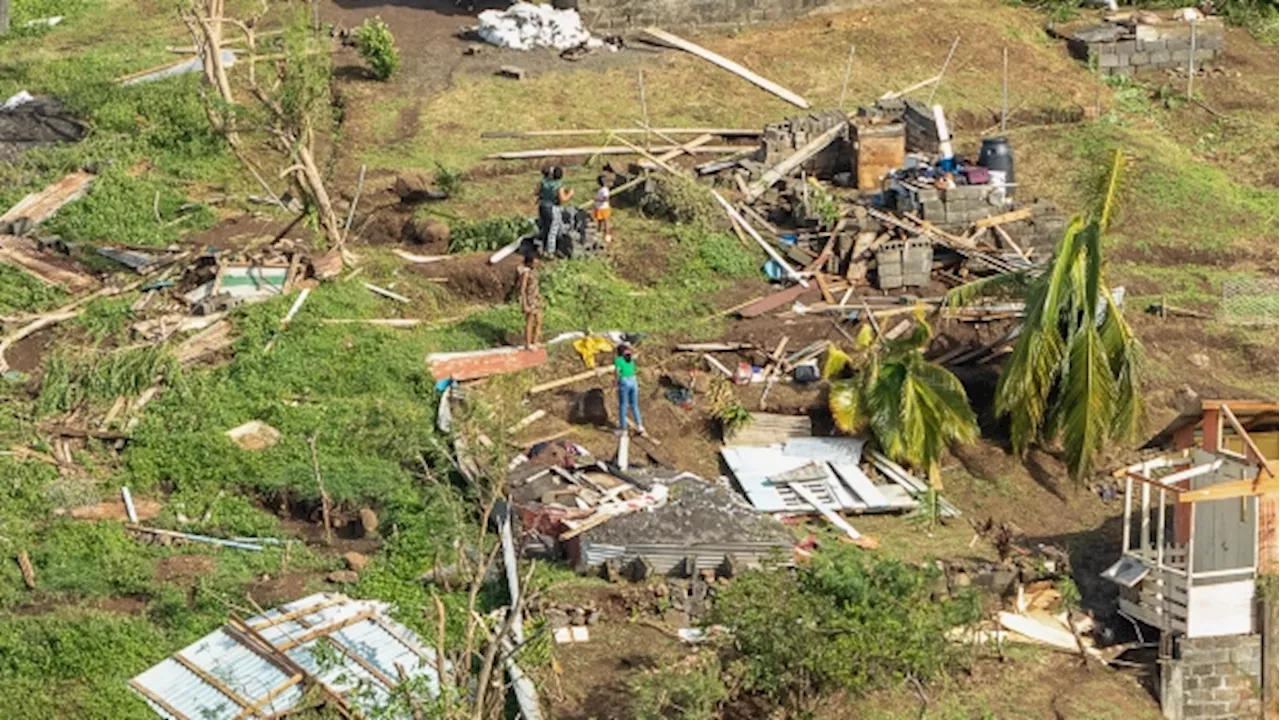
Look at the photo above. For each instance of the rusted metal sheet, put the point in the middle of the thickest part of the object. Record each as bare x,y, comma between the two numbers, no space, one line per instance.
773,301
38,207
483,363
48,269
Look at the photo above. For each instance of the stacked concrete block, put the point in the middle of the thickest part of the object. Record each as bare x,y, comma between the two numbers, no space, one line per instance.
1123,50
781,139
904,263
673,14
1213,678
958,206
922,130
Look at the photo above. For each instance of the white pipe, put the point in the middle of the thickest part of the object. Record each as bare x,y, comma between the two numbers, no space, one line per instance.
944,135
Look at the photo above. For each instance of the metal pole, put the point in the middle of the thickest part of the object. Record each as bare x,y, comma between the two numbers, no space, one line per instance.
848,68
1191,60
1004,93
943,72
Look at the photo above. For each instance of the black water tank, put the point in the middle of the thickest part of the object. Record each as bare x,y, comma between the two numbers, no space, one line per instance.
997,154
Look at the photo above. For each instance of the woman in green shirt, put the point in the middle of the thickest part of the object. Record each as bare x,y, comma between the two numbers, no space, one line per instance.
628,387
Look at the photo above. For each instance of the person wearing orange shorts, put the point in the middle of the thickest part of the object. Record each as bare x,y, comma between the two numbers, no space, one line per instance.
601,210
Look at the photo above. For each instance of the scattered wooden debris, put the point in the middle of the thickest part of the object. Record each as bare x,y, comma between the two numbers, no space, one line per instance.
483,363
608,150
666,38
387,293
793,162
23,254
605,132
40,206
419,259
772,301
577,377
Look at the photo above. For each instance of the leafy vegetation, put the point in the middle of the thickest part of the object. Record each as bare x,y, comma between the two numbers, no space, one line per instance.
487,235
912,406
688,691
376,45
1075,370
793,635
680,201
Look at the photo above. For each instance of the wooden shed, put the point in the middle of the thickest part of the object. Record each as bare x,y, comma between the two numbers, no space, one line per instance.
1200,525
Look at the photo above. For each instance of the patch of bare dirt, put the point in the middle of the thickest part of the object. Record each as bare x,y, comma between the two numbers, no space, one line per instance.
183,569
471,277
26,354
272,591
238,232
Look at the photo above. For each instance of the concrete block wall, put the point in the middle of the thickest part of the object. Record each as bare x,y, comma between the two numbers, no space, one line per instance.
1152,47
602,15
1213,678
960,205
781,139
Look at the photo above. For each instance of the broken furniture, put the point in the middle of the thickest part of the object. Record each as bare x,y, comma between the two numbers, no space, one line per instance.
269,664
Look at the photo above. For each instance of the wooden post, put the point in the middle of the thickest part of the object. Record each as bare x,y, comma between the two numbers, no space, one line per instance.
644,108
1128,519
848,68
1004,92
28,570
324,494
1269,589
945,63
1144,542
1191,60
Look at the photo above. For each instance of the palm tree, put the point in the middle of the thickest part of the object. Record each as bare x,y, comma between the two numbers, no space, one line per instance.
912,406
1074,371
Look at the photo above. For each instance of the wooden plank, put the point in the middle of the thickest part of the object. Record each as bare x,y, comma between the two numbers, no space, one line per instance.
159,701
209,679
1235,489
772,253
911,88
368,667
792,162
483,363
714,132
307,637
40,206
1002,218
253,710
300,612
685,148
22,254
606,150
1248,441
585,375
724,63
387,293
826,512
860,484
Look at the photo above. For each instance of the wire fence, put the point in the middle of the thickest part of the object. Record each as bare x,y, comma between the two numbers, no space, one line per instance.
1250,302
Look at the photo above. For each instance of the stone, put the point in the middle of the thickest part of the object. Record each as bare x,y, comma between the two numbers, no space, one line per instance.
343,577
369,521
511,71
577,616
415,187
355,561
556,618
593,616
1199,360
429,231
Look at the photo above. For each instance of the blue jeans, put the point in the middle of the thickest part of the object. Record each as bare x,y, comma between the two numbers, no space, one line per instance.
628,397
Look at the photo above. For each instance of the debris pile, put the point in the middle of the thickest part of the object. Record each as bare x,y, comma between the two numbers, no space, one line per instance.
1130,42
28,121
525,26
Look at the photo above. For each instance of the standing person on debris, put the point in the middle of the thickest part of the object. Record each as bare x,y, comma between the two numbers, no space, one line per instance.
551,194
531,300
603,211
628,388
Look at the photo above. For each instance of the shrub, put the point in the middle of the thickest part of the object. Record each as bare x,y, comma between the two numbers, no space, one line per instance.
794,636
679,201
685,691
448,180
376,45
490,234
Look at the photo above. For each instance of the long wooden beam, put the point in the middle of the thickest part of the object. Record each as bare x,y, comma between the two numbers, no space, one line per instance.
1248,441
720,132
1247,487
608,150
724,63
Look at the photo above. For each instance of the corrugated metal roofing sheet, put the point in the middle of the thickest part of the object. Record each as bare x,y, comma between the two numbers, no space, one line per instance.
298,628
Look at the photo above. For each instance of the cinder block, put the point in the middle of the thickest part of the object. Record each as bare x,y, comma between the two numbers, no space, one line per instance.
1140,58
1125,47
1109,61
1180,57
1213,42
1204,54
1123,59
1160,57
1178,44
1151,45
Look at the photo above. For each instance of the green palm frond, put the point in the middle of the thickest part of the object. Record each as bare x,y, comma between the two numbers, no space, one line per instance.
1088,417
1110,190
836,363
844,399
1125,355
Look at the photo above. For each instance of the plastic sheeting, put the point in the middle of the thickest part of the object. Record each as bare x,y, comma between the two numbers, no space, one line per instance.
525,26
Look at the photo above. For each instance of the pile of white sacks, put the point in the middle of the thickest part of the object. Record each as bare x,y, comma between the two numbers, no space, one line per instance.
525,26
